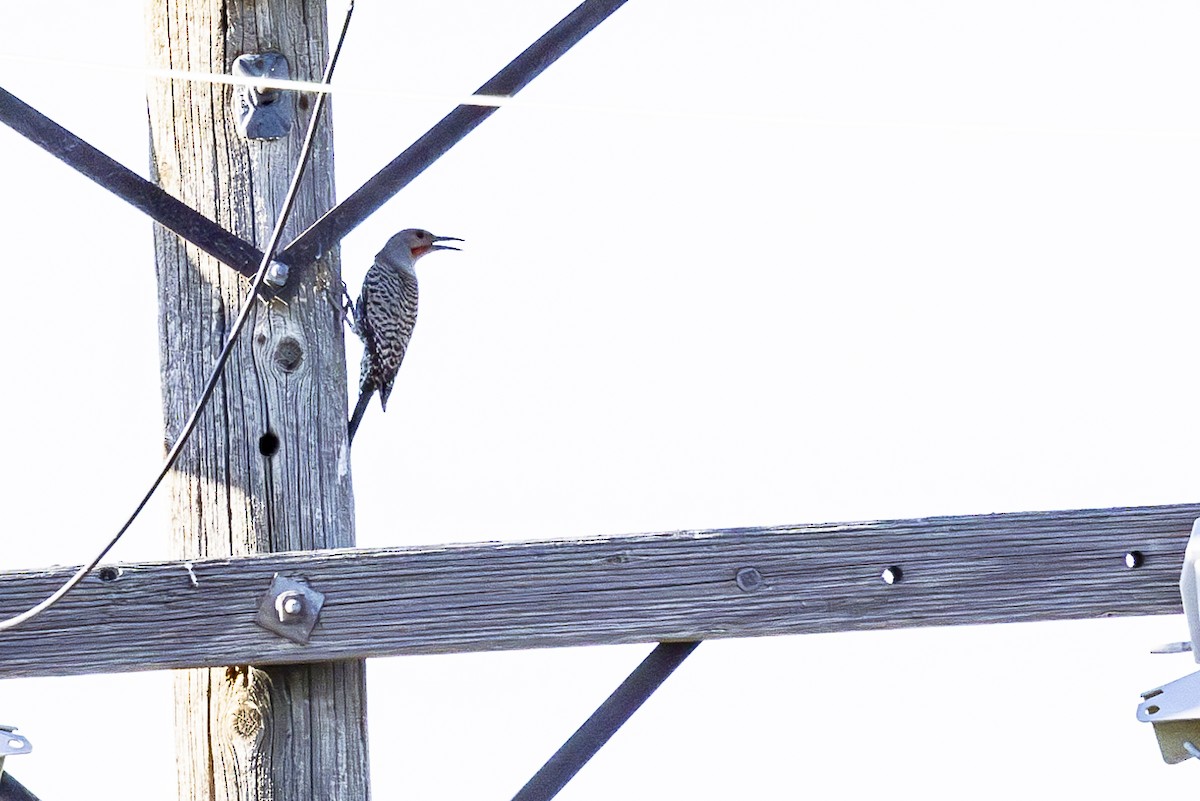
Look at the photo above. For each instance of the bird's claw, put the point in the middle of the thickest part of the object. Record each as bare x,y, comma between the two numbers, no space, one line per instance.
345,307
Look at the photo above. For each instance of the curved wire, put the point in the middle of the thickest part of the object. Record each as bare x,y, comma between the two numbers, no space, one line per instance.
222,358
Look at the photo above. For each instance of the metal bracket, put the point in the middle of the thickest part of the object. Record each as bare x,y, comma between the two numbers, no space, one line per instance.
290,609
11,744
263,112
1174,709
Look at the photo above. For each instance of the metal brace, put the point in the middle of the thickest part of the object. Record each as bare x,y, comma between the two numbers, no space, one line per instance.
263,112
12,744
1174,709
290,609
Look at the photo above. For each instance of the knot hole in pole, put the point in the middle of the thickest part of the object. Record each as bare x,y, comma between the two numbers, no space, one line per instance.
289,353
268,444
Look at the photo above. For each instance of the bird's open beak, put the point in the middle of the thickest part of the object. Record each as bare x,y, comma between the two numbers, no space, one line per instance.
445,239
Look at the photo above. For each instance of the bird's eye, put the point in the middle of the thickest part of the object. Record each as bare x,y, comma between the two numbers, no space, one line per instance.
420,234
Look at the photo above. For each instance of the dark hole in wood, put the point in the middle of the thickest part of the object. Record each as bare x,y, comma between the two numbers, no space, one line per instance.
108,573
303,103
289,354
268,444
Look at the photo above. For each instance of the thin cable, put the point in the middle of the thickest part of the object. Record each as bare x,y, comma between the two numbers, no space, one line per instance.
283,84
711,111
218,368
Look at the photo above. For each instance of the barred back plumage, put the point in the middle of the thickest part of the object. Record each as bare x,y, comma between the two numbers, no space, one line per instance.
386,313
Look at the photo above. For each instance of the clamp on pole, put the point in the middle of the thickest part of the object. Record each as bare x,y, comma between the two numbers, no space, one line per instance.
263,110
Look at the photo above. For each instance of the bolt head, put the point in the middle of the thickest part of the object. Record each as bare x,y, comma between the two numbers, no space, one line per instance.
277,274
289,605
748,579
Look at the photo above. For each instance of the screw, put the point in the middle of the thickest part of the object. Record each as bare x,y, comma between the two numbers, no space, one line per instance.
1134,559
891,575
749,579
289,605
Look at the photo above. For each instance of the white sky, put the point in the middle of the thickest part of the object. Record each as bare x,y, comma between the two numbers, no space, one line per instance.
727,264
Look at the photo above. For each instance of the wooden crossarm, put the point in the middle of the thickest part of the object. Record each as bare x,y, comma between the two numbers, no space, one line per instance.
686,585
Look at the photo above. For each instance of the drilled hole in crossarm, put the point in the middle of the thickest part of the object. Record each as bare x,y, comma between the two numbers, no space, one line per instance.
268,444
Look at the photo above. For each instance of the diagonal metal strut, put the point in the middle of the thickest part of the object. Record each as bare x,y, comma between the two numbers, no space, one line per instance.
343,218
604,722
161,206
13,790
232,250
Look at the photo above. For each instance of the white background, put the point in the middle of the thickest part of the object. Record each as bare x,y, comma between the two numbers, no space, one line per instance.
726,265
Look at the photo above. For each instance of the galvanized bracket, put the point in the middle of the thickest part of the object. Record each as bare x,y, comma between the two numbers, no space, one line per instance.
11,744
1174,709
290,609
263,111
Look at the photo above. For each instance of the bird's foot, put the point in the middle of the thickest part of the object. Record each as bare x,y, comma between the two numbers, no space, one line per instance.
345,308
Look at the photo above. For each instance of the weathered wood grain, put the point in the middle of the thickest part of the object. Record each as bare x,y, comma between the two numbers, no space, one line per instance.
643,588
262,471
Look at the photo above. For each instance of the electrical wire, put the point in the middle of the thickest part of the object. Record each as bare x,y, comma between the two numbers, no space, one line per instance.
283,84
710,112
222,358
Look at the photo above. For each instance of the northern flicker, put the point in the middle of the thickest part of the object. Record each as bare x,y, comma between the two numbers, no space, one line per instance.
386,312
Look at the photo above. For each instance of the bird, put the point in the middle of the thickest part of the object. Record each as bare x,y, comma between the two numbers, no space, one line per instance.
386,312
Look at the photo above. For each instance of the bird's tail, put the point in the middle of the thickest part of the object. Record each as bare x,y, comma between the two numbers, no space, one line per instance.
364,400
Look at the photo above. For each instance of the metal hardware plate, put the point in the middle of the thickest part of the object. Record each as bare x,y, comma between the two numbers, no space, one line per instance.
290,609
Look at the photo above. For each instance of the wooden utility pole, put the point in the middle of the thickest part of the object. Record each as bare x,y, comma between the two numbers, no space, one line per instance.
266,469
